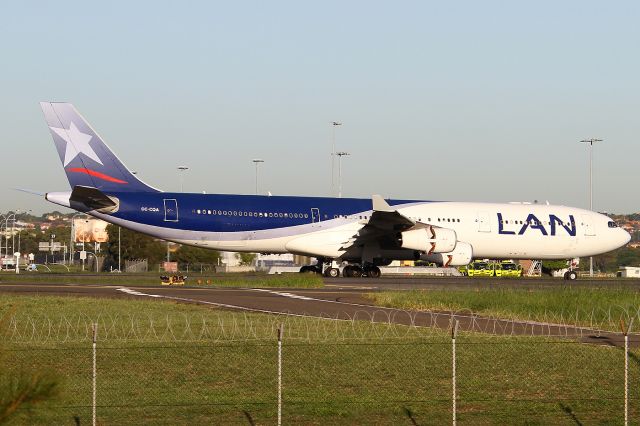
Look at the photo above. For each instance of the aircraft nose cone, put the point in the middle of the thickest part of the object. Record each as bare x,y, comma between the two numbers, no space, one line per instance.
626,237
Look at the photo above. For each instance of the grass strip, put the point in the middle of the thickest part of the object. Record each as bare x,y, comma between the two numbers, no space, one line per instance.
166,363
597,307
153,279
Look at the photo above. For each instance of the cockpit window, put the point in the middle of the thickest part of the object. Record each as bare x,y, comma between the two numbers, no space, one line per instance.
612,224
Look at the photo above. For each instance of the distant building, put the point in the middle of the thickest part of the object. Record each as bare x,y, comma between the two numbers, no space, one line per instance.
629,272
229,258
268,260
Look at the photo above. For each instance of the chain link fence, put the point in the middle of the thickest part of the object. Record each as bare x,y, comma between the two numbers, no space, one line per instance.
223,369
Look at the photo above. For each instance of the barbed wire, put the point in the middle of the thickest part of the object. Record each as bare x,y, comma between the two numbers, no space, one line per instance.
225,326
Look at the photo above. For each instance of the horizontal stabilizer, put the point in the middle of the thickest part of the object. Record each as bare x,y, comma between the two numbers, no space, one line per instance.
30,191
93,198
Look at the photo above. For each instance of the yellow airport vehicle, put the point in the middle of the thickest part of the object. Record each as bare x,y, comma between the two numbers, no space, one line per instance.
507,268
172,279
479,268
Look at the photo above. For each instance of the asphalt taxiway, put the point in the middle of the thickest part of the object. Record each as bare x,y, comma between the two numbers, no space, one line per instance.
344,299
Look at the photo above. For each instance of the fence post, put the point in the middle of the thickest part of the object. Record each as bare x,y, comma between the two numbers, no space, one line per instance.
454,333
280,332
93,404
625,332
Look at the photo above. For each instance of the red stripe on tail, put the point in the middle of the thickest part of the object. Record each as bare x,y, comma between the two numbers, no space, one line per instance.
96,174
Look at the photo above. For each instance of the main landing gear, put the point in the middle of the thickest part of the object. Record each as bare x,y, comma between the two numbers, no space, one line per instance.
332,270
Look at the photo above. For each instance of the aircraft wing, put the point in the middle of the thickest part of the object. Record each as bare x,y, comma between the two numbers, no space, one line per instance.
381,228
386,218
387,227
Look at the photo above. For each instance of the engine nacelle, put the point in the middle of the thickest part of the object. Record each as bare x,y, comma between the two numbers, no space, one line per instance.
430,239
461,256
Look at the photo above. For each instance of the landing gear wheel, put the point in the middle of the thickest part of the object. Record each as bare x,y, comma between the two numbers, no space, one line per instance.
309,269
347,272
373,272
356,272
332,272
571,275
352,271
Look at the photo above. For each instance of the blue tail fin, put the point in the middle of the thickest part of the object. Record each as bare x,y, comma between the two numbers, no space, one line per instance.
86,159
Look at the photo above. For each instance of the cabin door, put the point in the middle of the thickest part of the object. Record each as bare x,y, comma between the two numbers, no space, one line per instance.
589,231
170,210
484,225
315,215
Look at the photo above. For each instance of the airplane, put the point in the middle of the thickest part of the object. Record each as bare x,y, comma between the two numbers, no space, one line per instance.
364,234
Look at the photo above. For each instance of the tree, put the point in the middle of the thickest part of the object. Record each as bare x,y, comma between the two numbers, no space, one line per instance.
548,266
246,259
189,254
134,245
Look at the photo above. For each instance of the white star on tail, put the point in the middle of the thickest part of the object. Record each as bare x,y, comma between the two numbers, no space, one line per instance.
77,142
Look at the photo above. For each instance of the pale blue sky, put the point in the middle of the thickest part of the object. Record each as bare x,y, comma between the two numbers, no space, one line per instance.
478,101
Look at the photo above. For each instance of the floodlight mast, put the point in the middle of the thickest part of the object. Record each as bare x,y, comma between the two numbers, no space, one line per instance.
181,171
257,161
590,142
334,124
340,155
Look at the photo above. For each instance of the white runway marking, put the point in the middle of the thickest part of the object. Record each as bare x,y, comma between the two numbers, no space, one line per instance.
221,305
377,308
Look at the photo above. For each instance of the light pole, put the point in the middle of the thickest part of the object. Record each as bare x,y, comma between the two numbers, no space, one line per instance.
334,124
119,252
84,253
591,142
20,232
257,161
181,170
1,234
6,229
340,155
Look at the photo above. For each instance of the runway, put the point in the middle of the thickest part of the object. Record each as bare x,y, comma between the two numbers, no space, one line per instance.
343,299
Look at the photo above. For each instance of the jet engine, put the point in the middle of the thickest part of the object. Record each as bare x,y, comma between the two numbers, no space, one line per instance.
461,256
429,239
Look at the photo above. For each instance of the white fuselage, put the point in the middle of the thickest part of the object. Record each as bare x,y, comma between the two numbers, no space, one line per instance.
513,231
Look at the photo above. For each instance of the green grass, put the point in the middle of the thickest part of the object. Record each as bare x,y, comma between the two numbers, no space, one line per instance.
166,363
255,280
601,308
